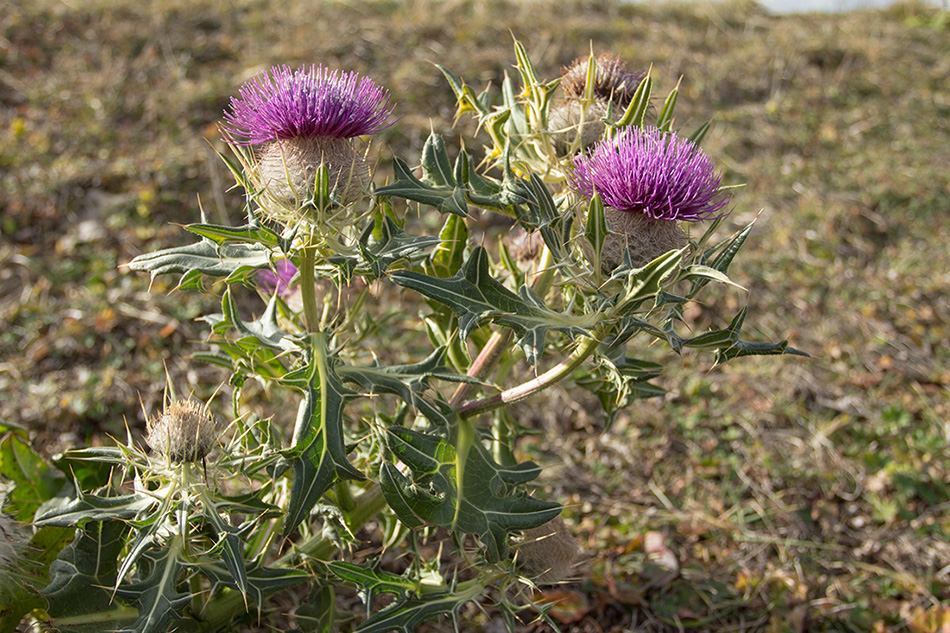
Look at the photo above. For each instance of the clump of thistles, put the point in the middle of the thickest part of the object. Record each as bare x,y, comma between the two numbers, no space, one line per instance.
305,118
578,123
649,180
185,431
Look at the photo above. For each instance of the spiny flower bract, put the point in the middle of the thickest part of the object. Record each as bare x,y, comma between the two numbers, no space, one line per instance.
308,102
656,173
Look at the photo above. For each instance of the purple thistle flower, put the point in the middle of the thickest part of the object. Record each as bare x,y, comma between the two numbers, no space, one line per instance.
279,281
648,171
309,102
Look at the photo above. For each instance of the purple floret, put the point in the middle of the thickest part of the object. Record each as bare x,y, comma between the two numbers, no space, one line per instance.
656,173
279,281
308,102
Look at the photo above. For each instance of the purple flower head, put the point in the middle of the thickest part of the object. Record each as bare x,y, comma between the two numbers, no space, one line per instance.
652,172
284,104
279,281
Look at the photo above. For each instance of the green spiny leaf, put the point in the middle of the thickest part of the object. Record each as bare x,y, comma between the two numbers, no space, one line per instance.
261,581
265,330
436,168
381,249
247,234
371,580
636,111
406,185
696,138
85,569
409,382
318,452
157,595
474,295
664,120
446,259
65,513
597,230
483,502
204,257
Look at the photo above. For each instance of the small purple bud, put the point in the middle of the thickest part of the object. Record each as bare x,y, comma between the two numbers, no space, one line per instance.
278,281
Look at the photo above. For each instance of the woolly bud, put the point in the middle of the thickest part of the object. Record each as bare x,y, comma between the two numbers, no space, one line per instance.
288,168
547,551
641,236
186,432
523,246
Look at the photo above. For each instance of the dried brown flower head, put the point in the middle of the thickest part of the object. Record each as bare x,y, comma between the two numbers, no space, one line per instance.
547,551
186,431
579,123
612,82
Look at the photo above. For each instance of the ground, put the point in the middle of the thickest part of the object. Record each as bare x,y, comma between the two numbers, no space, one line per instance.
779,494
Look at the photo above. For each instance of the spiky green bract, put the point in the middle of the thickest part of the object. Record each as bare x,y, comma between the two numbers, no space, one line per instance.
656,173
283,104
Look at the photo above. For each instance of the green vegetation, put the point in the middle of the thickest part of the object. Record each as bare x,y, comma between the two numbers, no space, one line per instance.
793,495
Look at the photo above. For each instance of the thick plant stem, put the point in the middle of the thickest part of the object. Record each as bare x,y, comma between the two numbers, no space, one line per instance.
308,288
545,380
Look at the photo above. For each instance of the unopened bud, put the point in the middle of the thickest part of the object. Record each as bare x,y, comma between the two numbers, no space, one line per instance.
186,432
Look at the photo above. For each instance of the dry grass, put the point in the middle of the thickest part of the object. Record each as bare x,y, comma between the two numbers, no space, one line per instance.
794,495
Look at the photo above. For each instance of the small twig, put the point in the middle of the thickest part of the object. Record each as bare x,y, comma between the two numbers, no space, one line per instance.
533,386
486,361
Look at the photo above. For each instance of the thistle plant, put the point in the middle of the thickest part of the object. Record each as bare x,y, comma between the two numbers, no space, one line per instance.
402,427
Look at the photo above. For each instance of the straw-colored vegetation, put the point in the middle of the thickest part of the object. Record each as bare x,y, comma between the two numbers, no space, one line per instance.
779,494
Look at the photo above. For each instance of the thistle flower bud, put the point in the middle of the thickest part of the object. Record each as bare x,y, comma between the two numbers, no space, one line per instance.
648,180
186,432
306,118
547,551
612,92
